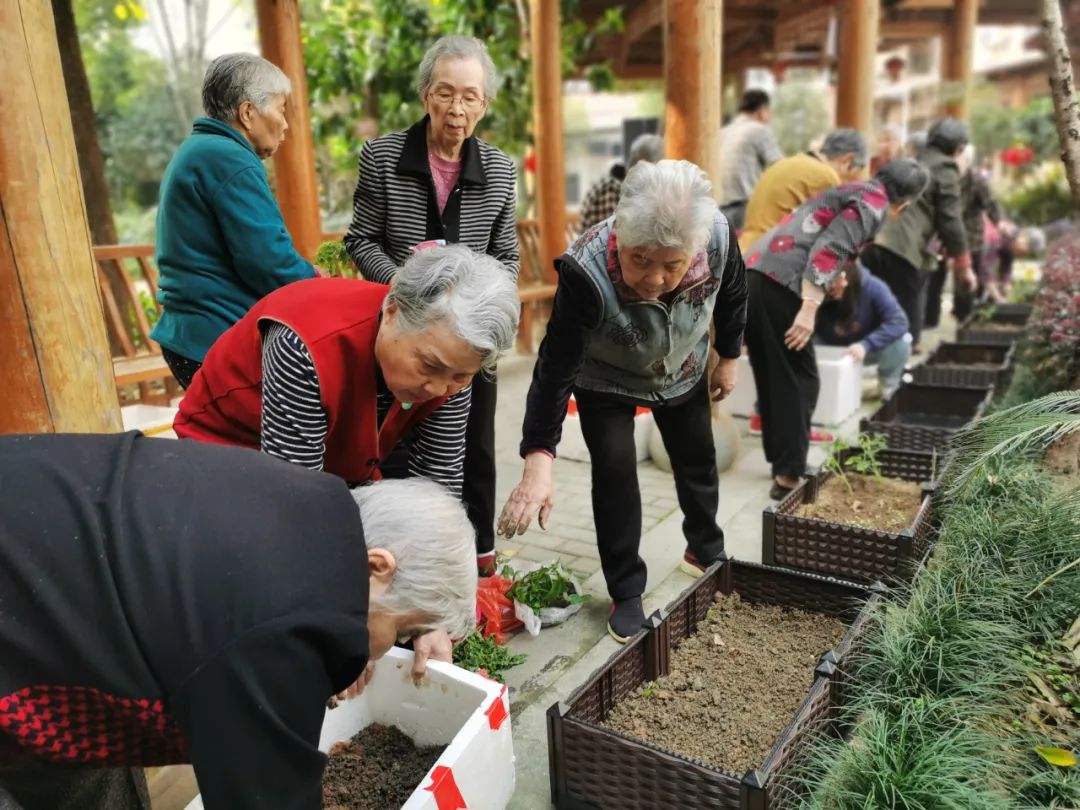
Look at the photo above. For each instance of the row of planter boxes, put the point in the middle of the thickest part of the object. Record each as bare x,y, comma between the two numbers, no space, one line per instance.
595,768
810,564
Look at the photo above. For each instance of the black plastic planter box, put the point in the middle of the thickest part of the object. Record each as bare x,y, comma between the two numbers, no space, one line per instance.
594,768
924,417
845,550
967,365
1004,326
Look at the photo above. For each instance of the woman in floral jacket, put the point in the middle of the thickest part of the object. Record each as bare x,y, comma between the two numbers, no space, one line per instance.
794,265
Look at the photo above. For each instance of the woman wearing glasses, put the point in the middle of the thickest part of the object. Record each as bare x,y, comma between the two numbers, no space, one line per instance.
436,181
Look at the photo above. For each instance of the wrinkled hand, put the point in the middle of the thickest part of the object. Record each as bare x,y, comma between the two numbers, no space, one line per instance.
533,498
858,351
321,272
360,684
433,646
722,382
802,328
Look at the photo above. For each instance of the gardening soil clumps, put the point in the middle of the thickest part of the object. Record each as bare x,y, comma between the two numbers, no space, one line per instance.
734,685
377,769
888,504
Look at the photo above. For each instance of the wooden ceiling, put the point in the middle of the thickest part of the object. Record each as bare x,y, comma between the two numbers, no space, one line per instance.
764,32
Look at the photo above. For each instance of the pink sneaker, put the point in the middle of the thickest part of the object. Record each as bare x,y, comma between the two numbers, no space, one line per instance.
755,424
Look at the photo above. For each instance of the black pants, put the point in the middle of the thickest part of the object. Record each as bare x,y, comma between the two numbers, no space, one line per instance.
607,424
735,213
963,300
182,368
32,785
787,381
907,282
478,486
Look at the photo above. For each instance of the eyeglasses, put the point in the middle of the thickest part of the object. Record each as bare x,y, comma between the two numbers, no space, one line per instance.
470,101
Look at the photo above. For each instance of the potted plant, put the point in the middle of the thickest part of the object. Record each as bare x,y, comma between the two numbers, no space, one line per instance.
866,515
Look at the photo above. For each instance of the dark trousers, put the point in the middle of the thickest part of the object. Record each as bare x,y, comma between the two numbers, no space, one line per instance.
735,213
182,368
787,381
478,486
907,282
32,785
963,300
607,424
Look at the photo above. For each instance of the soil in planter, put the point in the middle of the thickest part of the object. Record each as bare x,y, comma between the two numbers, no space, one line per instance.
931,420
888,504
1063,460
965,366
733,686
379,768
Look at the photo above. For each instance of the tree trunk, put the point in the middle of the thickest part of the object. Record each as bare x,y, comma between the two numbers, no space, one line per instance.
1063,89
91,161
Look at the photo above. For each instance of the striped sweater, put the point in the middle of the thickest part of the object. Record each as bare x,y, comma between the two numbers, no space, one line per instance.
394,207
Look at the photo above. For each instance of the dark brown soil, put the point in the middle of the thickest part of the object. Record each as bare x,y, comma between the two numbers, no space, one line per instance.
733,686
377,769
1063,460
888,504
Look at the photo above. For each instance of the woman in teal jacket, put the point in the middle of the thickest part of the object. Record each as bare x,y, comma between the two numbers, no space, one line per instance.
221,241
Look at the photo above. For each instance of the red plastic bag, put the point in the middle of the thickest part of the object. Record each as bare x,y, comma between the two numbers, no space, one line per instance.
495,608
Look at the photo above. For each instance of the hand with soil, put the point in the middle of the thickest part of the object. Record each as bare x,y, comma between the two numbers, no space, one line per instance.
533,498
434,646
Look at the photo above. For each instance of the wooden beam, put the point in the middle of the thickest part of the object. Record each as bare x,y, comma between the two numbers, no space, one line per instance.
644,18
294,162
858,47
692,84
54,353
960,55
911,30
548,133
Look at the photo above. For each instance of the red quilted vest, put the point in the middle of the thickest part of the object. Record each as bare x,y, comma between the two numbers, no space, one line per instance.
338,320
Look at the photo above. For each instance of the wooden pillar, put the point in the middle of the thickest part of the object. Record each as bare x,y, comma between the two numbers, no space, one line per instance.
858,32
54,353
548,132
693,92
294,162
959,54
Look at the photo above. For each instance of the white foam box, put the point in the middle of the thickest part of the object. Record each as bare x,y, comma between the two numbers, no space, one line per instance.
841,387
152,420
452,707
572,445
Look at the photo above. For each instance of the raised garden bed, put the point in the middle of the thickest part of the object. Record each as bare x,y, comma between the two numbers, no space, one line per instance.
967,365
924,417
595,767
846,550
1004,326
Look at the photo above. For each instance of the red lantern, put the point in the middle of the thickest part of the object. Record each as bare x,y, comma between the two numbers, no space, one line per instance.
1017,155
530,163
779,70
895,67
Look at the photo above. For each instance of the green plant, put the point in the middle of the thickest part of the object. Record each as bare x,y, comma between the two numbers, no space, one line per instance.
864,461
547,586
332,257
479,653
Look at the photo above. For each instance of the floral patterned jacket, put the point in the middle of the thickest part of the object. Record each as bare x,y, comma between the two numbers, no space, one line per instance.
821,235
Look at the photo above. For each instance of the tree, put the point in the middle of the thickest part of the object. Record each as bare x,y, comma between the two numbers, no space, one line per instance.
1063,91
798,114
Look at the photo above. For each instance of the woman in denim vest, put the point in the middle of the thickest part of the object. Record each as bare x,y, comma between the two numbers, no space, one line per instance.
630,327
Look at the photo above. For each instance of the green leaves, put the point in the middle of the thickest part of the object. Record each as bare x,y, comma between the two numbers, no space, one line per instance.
547,586
477,652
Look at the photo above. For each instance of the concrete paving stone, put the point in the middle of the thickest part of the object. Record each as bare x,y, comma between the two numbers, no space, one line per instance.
544,555
536,538
658,511
580,549
586,566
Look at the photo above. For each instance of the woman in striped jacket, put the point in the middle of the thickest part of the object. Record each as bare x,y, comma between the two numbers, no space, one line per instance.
436,181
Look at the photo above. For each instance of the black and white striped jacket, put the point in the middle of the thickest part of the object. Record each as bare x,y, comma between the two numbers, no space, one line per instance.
394,206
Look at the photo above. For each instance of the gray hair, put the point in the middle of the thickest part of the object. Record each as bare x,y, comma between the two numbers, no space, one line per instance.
473,294
434,545
842,142
457,47
647,147
904,179
234,78
667,204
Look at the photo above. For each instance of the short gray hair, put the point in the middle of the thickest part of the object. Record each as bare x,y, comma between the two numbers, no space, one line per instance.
904,179
842,142
457,47
473,294
645,147
434,545
234,78
667,204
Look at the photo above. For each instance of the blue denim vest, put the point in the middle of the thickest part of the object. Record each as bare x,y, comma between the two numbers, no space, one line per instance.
648,350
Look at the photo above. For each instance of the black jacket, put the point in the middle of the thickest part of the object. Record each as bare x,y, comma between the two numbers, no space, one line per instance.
167,601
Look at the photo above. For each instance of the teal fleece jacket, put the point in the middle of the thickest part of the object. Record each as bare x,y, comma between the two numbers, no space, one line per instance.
221,241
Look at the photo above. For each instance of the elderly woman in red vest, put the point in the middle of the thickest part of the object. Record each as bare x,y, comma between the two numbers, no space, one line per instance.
331,373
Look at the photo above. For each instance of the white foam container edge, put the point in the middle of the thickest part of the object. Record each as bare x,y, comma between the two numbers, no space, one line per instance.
451,707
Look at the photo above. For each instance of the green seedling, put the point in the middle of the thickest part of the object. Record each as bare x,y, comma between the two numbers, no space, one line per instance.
547,586
479,653
863,462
